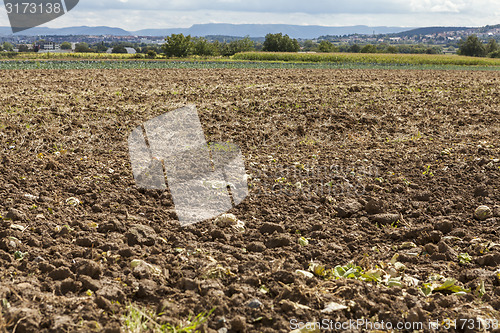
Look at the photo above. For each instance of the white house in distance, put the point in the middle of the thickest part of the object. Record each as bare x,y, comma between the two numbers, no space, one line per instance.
130,50
50,47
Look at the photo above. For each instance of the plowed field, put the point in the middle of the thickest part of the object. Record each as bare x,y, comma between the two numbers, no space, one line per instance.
363,186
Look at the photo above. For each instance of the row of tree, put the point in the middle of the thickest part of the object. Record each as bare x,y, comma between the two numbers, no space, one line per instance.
473,47
326,46
183,46
6,46
280,43
99,48
178,45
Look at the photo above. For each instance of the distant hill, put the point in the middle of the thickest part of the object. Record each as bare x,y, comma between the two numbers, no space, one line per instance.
260,30
219,29
489,27
429,31
226,31
75,31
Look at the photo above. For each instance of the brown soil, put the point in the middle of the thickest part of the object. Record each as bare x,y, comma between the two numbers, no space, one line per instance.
362,163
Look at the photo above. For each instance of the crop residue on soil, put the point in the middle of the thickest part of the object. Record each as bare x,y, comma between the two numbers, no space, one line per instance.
378,174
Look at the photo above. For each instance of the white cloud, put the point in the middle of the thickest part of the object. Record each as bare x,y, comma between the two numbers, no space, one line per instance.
277,6
436,6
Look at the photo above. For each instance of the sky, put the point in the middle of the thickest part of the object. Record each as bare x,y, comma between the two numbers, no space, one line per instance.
134,15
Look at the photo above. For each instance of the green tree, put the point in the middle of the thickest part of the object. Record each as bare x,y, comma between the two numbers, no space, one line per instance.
178,46
241,45
280,43
492,46
235,46
23,48
326,46
495,54
308,45
223,48
101,48
146,49
404,49
119,49
433,50
151,54
65,46
82,47
391,49
8,46
289,45
472,46
202,47
369,48
271,43
355,48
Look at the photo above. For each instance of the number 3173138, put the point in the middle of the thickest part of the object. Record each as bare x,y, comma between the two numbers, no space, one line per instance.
33,8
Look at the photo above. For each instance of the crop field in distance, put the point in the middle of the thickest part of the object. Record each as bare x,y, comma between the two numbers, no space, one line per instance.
364,188
264,60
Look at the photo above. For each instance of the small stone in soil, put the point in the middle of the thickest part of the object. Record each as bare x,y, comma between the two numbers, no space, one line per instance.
89,268
218,234
444,226
60,273
481,191
88,283
256,247
423,196
254,304
46,267
348,208
385,218
482,213
111,293
238,324
492,259
374,206
15,215
279,241
269,228
141,234
147,288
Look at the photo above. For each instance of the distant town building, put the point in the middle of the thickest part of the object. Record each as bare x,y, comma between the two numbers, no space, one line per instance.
49,46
